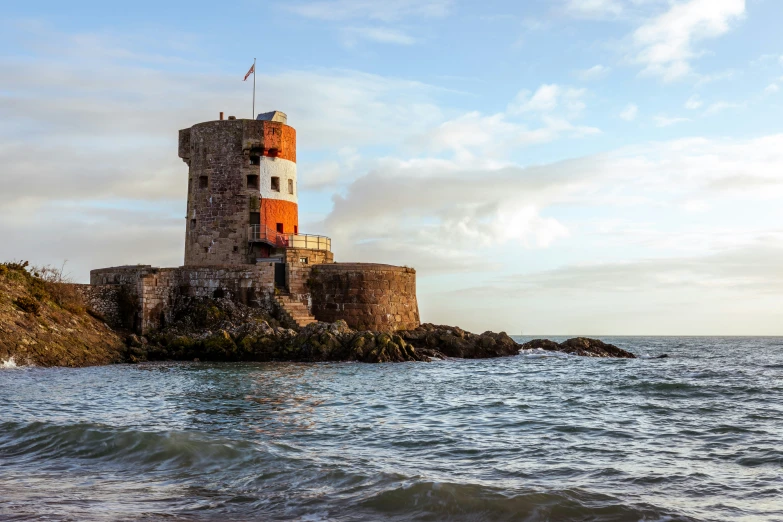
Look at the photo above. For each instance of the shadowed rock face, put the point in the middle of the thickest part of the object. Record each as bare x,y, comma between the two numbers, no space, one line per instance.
451,341
582,346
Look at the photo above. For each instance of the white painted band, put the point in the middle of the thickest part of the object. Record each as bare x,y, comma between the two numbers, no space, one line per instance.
282,169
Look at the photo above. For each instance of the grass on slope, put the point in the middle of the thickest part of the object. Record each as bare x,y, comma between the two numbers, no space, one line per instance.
44,322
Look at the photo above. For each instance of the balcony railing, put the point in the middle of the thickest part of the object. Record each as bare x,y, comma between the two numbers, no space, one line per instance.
263,234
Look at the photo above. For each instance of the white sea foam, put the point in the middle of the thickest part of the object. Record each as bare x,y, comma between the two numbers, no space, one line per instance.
10,363
538,353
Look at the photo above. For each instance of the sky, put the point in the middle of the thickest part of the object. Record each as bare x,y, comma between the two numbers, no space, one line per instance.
573,167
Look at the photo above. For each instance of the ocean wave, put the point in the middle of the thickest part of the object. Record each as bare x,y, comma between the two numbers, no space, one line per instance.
450,501
139,449
10,363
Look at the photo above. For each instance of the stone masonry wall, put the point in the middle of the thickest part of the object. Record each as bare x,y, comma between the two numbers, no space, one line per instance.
367,296
154,291
297,271
105,301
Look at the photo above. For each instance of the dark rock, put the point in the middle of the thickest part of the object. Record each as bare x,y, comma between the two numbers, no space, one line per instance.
541,344
581,346
451,341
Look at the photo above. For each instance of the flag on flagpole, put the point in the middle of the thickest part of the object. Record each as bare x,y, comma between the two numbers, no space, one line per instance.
251,71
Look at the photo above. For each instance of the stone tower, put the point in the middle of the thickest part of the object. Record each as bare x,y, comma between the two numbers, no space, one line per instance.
242,191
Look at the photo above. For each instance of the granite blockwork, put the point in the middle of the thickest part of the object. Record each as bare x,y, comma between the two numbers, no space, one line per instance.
367,296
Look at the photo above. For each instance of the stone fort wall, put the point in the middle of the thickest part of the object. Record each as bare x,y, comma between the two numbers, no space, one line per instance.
144,296
367,296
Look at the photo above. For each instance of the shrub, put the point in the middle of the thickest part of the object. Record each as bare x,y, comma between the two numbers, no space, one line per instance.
28,304
59,287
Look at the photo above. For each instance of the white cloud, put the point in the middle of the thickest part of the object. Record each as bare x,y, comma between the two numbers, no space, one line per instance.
434,211
376,34
371,9
694,102
666,44
722,106
665,121
771,89
630,112
593,73
594,8
549,97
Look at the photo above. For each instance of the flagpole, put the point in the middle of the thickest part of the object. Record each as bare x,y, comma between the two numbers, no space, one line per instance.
254,89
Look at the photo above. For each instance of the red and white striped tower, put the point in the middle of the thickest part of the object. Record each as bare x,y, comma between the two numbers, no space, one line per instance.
279,209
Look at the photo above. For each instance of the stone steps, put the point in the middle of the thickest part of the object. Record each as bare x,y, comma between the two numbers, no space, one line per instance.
294,310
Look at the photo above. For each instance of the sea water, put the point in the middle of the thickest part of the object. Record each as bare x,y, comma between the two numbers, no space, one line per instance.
695,436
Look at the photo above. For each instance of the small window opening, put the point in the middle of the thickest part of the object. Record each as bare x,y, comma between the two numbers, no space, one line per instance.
190,184
296,229
290,186
276,184
272,153
279,228
303,260
203,182
206,250
255,160
252,182
219,293
192,223
236,249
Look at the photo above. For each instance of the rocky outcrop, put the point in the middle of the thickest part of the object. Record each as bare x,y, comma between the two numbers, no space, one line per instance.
581,346
261,342
451,341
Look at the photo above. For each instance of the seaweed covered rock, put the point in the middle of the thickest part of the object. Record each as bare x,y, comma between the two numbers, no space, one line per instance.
451,341
582,346
259,341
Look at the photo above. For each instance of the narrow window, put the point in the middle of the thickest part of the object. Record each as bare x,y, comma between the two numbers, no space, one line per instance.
290,186
252,182
296,229
190,184
203,182
236,249
279,228
303,260
276,184
192,223
255,160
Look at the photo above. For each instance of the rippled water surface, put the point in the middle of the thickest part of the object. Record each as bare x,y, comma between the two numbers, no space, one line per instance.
697,436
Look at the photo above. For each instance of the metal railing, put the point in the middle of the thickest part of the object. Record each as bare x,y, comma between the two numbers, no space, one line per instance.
264,234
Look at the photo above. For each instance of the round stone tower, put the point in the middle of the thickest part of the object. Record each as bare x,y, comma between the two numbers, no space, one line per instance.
242,191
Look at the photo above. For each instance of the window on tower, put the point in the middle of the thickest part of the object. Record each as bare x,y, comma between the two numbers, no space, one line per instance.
276,184
203,182
252,182
290,186
255,160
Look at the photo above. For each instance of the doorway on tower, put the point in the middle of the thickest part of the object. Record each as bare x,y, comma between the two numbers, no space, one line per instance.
280,276
279,228
255,224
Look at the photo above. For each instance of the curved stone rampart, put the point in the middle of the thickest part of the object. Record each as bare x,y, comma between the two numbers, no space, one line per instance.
367,296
